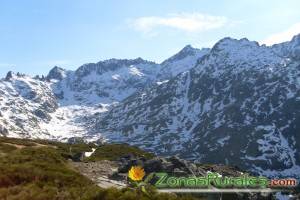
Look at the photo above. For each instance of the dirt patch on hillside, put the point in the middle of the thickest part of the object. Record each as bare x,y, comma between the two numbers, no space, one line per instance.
99,172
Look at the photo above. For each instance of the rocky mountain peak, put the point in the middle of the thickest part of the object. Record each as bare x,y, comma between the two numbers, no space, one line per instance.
126,62
109,65
228,44
296,40
229,54
188,50
184,60
288,50
295,47
56,73
9,75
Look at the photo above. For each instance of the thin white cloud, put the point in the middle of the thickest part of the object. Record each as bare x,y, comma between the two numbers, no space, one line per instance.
7,65
188,22
284,36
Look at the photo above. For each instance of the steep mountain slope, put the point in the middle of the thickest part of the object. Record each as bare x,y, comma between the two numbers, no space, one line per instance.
24,104
241,101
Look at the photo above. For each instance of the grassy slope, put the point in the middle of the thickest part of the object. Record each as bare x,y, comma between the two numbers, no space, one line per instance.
38,170
115,151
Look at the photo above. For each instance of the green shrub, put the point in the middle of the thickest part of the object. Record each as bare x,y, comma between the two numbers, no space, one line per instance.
134,194
40,173
6,148
17,141
115,151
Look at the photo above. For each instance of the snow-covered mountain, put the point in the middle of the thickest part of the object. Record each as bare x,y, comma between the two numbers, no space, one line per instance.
106,81
239,99
81,95
183,61
25,103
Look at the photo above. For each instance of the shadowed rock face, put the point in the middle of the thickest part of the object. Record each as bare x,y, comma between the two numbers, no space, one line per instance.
56,73
9,75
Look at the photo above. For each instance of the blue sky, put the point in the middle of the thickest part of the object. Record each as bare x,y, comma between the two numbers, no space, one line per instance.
35,35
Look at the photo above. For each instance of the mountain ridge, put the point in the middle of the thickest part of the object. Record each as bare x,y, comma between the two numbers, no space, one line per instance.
239,88
239,97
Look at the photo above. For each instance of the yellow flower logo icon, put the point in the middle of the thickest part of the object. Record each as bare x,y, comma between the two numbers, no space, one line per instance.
136,173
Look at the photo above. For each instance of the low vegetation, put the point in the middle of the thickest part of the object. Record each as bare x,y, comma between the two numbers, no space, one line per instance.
39,170
116,151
